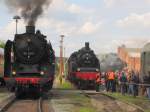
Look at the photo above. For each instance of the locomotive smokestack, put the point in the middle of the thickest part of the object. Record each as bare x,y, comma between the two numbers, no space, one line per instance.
87,45
30,29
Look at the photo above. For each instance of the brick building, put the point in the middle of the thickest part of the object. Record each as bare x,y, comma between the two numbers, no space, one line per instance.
131,56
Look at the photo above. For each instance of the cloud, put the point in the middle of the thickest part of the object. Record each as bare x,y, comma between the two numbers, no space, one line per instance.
126,3
9,30
57,26
73,8
113,45
77,9
57,4
90,28
111,3
60,26
131,42
135,21
147,1
50,20
47,22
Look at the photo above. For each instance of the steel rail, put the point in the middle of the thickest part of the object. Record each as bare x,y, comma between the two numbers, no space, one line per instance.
40,101
8,105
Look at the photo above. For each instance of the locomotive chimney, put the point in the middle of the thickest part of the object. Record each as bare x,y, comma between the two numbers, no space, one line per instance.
87,45
30,29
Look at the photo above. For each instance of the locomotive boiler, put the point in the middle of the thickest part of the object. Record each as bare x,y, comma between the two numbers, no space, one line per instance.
83,66
29,62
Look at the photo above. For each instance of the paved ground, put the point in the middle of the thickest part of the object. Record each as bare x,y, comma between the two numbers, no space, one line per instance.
4,94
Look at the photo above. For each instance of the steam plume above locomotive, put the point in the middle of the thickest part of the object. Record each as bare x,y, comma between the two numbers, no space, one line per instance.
30,10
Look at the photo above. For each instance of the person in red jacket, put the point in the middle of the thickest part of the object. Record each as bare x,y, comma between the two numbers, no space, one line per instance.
97,82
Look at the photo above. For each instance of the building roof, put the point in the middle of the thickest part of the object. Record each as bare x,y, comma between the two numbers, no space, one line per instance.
134,54
133,50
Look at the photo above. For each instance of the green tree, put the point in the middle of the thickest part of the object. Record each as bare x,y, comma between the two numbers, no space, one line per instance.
2,44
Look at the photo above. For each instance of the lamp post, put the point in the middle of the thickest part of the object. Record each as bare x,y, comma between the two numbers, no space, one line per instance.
16,18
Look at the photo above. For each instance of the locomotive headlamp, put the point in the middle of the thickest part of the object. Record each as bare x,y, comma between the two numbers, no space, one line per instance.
42,73
97,70
78,69
14,72
29,40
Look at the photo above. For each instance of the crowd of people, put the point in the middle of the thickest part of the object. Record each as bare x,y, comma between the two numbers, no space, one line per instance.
126,82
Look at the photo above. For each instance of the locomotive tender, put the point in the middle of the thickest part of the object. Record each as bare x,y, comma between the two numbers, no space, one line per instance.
83,66
29,62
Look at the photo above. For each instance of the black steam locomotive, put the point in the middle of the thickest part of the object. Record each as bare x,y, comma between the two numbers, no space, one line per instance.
83,66
29,62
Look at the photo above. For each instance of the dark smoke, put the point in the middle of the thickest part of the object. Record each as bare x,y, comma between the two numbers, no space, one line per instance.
111,61
30,10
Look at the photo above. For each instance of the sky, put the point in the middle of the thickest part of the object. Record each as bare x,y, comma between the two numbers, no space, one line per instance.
106,24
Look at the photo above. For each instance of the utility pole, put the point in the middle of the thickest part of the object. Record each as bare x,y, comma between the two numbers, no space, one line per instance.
64,61
61,72
16,18
64,52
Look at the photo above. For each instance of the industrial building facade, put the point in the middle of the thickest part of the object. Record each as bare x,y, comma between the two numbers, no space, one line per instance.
131,56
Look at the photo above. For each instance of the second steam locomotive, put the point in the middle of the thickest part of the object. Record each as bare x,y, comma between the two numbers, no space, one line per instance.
83,67
29,62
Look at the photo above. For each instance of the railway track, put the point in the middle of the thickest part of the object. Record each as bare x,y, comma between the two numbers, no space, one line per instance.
89,93
40,105
7,103
109,104
26,105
